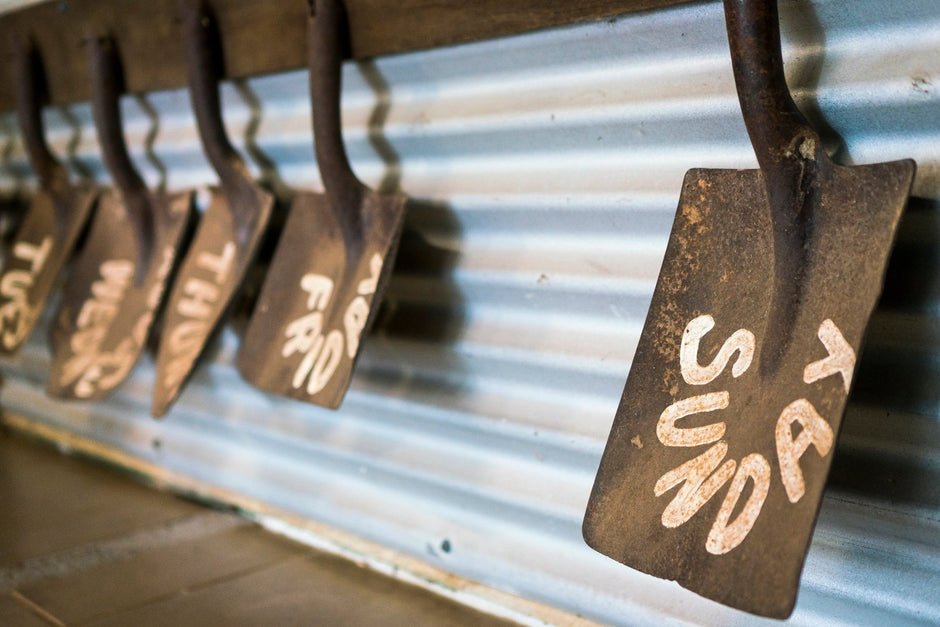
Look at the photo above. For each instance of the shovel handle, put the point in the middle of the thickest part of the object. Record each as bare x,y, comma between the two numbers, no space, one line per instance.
327,31
779,133
106,80
107,85
204,65
30,94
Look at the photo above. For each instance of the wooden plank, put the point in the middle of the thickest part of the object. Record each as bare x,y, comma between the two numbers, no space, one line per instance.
265,37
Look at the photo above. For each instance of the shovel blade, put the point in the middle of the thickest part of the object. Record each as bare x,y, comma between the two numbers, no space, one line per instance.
35,257
717,459
104,317
208,279
319,299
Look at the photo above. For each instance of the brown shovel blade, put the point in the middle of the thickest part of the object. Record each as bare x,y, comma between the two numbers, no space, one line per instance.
210,276
319,298
716,464
35,257
105,316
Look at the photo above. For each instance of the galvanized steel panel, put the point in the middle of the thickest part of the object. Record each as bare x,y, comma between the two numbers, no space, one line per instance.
544,172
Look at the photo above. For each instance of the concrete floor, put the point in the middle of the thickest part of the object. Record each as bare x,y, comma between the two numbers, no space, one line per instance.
82,544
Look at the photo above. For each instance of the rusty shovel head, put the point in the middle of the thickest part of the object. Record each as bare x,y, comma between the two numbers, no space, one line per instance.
209,278
52,226
717,460
43,243
230,232
109,304
319,298
329,271
714,469
119,279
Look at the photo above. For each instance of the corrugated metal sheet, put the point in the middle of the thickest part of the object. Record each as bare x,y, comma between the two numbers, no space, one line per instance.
544,171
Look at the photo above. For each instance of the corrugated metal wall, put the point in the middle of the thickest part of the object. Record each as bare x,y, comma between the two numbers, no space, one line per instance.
544,171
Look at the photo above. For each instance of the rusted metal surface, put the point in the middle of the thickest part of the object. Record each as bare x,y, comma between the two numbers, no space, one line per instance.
51,227
714,470
230,233
333,261
119,278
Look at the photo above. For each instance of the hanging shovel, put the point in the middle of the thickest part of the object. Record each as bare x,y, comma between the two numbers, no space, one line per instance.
333,260
718,456
52,226
231,229
118,282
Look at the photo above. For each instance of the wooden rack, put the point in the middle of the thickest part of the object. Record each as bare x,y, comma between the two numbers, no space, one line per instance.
265,36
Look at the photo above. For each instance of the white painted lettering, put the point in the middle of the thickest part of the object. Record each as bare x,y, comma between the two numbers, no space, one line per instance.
219,265
35,255
16,315
199,298
741,341
670,435
700,481
322,348
308,340
815,431
87,366
841,357
725,536
702,476
355,321
320,289
368,286
14,284
301,334
200,295
327,362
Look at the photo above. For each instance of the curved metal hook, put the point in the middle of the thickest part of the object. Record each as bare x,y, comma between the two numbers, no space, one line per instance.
326,34
107,85
204,66
30,94
790,154
788,150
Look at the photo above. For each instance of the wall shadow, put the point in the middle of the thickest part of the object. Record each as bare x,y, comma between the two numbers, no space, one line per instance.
436,315
898,374
155,162
423,302
72,159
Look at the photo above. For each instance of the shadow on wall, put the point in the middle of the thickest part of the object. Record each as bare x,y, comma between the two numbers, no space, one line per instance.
898,374
423,306
432,312
82,170
436,316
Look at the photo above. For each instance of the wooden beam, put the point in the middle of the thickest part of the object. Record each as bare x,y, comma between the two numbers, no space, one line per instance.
265,36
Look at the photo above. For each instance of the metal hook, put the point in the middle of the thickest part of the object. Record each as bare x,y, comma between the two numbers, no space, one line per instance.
30,95
788,150
204,65
107,85
791,157
326,34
